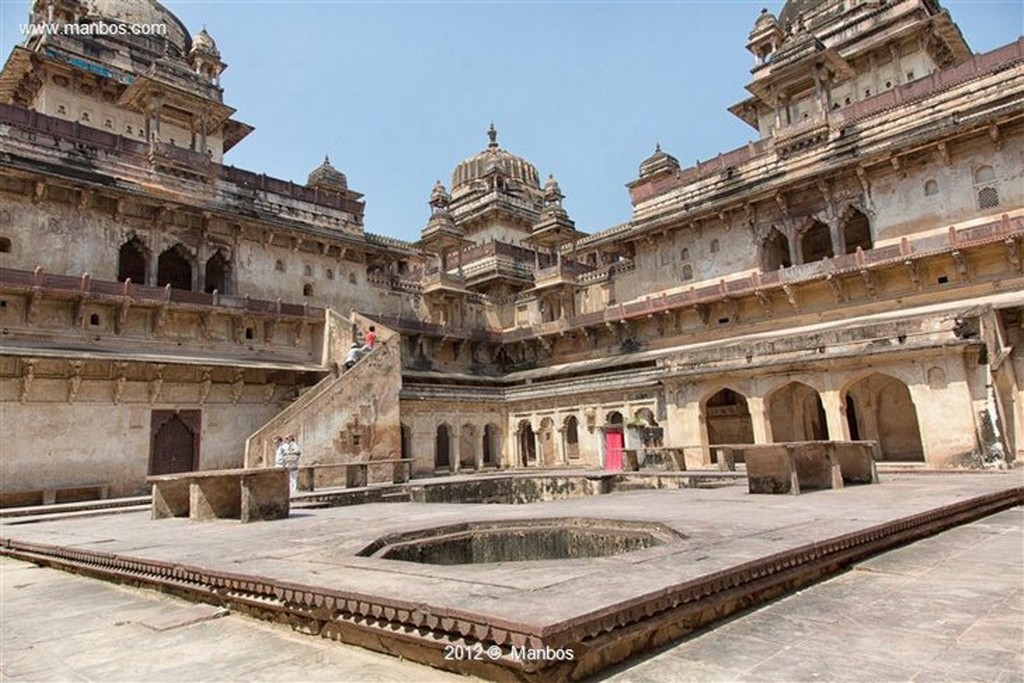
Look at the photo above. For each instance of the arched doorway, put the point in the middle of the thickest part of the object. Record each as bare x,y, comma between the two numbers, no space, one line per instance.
570,437
174,441
727,420
884,411
797,414
442,448
816,242
527,444
614,441
217,273
492,446
467,447
131,262
548,453
174,269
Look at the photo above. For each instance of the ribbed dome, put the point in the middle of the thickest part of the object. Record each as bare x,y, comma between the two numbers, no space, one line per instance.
141,12
513,167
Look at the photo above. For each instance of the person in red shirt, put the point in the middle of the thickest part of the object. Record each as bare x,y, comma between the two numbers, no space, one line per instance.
371,337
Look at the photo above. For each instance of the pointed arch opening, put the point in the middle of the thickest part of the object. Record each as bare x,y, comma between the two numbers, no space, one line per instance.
726,419
442,448
816,242
217,275
856,231
884,411
796,413
131,262
174,269
775,251
527,443
571,437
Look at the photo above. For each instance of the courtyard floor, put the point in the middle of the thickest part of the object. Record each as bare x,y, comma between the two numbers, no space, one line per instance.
945,608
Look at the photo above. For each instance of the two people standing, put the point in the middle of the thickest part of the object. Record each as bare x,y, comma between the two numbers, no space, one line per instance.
287,454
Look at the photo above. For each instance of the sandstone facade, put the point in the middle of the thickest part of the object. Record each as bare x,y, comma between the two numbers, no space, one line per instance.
854,274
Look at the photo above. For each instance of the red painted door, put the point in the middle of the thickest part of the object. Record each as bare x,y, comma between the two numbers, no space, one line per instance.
613,451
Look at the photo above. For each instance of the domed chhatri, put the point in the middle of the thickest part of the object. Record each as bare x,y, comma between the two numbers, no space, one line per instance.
492,159
326,177
204,42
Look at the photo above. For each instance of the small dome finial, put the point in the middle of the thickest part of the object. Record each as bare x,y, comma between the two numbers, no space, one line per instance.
492,134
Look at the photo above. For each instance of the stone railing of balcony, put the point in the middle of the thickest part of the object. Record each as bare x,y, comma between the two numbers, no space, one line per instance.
67,286
1008,230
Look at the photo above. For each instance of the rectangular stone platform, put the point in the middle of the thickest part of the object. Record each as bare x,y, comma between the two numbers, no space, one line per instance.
249,495
350,474
795,466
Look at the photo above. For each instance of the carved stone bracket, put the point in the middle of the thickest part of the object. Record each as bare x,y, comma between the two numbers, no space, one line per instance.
914,271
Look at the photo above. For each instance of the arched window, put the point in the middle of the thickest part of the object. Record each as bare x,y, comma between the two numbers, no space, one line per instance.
856,232
279,266
714,247
174,269
217,269
307,289
308,271
931,188
775,251
330,274
985,187
131,262
816,242
687,272
5,245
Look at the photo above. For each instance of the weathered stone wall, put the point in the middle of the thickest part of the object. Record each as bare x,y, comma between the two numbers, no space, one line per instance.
59,432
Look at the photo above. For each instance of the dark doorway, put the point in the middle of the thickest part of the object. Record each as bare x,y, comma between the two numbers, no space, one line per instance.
442,449
174,441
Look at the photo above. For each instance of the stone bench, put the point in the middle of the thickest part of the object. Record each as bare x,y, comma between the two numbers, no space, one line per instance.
50,495
249,495
659,459
356,474
792,467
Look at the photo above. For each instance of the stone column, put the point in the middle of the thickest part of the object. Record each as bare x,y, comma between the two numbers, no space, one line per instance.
454,449
759,419
835,415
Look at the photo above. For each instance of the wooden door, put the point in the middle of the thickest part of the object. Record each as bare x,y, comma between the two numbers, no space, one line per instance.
174,441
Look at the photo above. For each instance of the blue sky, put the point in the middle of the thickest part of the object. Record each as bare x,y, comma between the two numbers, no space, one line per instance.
398,93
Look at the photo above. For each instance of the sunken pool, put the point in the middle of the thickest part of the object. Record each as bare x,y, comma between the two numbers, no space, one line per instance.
521,540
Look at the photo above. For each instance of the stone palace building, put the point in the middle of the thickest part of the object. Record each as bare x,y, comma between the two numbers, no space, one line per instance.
855,273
